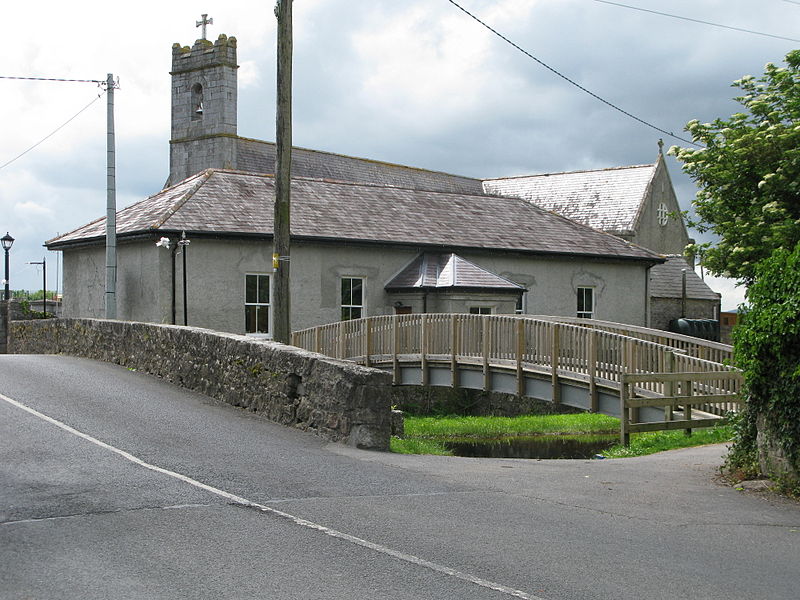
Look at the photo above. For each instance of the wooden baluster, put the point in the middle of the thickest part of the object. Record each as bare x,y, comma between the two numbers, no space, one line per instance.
669,385
395,350
454,351
624,435
368,341
519,355
424,332
687,408
591,368
629,363
486,330
555,350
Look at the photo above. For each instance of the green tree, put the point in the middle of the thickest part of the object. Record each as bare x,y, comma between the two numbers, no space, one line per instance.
768,352
748,172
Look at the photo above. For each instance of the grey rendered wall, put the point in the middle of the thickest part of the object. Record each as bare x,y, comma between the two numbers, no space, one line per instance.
216,274
143,282
84,281
620,288
671,238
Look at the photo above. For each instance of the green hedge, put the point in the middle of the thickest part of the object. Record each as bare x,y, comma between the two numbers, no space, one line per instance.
767,349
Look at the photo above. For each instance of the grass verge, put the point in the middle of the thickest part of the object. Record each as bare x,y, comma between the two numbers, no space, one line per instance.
494,427
659,441
427,435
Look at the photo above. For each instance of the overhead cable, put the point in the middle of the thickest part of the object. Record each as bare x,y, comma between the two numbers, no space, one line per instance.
53,79
52,133
655,12
572,82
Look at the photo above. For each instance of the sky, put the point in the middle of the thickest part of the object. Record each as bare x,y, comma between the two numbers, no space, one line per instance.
413,82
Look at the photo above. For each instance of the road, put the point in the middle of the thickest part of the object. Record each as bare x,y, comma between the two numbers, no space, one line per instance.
114,484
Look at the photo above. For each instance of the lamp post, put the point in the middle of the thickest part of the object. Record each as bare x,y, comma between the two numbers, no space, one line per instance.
43,262
7,242
180,247
183,244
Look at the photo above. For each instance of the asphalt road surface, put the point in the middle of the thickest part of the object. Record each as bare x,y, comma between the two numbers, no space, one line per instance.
116,485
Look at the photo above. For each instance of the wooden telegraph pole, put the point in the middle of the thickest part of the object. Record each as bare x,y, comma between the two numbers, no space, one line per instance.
281,321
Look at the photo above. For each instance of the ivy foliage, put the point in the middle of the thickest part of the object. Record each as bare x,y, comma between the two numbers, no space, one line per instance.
767,344
29,313
748,173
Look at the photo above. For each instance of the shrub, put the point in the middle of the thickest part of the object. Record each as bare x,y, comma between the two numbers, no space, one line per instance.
767,349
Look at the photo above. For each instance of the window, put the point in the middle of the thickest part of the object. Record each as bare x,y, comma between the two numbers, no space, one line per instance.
585,302
519,309
197,102
256,303
662,215
480,310
352,298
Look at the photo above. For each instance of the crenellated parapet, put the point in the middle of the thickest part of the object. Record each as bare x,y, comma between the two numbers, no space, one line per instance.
204,98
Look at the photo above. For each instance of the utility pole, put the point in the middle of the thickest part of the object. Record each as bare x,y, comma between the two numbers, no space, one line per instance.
111,205
283,167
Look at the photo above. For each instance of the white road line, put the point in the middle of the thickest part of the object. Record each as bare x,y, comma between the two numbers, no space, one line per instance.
409,558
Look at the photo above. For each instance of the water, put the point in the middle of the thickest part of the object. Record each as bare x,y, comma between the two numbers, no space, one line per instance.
541,446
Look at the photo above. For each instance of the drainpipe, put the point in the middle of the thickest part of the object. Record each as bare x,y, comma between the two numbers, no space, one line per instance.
648,307
683,293
174,287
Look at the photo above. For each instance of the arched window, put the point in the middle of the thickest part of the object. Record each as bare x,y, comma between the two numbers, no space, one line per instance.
197,102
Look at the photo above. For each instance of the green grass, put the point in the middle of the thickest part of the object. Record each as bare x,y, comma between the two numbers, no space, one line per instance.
426,435
418,446
659,441
494,427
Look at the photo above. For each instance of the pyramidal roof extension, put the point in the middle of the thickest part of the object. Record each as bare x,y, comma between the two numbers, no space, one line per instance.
448,270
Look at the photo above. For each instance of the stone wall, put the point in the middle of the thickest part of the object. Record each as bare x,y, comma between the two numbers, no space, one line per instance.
337,400
433,400
664,310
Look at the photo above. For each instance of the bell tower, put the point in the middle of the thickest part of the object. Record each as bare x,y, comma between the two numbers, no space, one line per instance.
204,95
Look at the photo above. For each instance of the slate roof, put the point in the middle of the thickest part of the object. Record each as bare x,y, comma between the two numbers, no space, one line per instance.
606,199
666,281
233,203
432,270
256,156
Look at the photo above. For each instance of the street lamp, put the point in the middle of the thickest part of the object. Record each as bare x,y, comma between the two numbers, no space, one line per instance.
183,244
7,242
180,246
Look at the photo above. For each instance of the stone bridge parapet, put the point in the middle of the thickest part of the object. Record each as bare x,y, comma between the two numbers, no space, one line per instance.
336,399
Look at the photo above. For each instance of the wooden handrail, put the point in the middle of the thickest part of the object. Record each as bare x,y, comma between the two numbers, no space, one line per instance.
584,351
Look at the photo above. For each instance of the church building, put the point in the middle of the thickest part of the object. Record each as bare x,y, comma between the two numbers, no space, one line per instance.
368,237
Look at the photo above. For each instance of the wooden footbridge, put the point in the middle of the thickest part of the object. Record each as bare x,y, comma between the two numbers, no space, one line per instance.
650,379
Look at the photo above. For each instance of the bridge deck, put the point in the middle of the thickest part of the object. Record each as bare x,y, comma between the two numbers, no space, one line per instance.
585,364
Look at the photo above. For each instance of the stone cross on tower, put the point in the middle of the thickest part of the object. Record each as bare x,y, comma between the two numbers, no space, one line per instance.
203,22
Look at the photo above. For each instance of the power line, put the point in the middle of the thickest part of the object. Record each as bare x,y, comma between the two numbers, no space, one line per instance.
52,133
53,79
655,12
568,80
